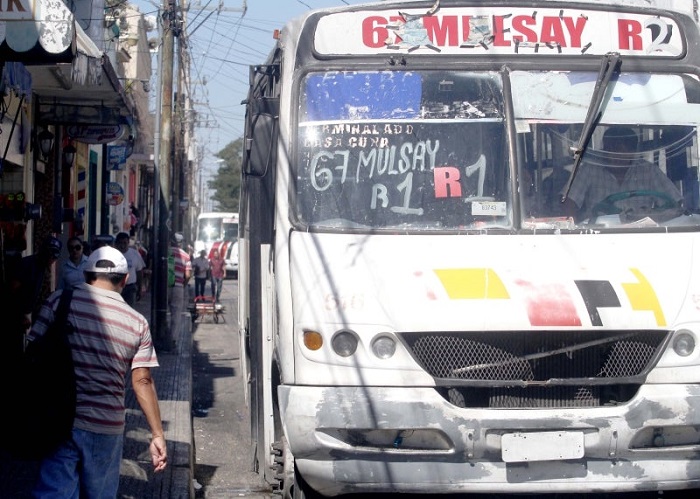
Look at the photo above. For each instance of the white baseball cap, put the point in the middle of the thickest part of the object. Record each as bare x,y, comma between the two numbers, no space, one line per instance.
110,255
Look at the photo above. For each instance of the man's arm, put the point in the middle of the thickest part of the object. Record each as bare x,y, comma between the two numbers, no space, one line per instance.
145,391
188,270
664,184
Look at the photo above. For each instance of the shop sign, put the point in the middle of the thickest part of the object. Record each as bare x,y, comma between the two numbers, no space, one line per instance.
116,157
115,194
96,134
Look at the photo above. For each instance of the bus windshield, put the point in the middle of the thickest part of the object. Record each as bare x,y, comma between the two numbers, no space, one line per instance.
639,167
427,150
403,150
215,227
210,230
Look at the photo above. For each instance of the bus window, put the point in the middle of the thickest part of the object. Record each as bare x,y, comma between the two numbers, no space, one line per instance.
422,151
646,183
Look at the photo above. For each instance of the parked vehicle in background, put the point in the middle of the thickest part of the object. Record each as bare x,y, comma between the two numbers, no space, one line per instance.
219,230
418,311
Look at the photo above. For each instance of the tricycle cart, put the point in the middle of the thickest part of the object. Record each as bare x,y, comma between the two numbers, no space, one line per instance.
206,306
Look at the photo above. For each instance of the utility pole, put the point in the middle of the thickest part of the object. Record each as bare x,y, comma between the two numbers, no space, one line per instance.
163,334
187,136
179,125
195,178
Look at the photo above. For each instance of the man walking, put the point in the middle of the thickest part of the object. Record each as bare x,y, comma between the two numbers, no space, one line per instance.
218,272
200,266
132,290
109,340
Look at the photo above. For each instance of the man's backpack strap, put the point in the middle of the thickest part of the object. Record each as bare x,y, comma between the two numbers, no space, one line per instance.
45,395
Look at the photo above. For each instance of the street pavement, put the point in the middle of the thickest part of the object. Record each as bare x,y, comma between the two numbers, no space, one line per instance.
221,423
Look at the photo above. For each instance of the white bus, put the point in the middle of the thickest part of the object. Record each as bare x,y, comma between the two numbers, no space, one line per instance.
470,240
218,231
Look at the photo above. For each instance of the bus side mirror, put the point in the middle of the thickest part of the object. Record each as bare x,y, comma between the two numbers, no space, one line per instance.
261,140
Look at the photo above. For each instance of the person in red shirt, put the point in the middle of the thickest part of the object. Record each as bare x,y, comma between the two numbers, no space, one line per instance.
217,265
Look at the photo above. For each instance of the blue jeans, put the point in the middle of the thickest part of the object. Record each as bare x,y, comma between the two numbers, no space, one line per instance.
200,283
85,467
216,284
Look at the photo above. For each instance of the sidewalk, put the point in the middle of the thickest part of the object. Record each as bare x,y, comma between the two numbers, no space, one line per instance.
174,384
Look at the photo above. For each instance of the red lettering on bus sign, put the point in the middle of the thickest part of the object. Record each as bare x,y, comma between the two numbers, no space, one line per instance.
499,31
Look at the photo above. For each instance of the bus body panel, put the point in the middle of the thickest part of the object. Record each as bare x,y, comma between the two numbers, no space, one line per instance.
456,283
462,450
363,423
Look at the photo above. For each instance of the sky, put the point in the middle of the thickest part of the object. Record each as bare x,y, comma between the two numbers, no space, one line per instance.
223,45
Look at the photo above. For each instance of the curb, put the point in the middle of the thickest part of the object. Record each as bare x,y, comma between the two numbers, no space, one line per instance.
173,380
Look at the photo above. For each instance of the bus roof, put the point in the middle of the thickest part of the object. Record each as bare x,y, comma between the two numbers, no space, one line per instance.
684,6
366,29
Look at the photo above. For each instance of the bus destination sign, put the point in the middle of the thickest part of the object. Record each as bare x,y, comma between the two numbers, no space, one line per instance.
493,31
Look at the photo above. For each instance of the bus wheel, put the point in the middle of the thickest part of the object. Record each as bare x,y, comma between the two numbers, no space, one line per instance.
300,490
291,484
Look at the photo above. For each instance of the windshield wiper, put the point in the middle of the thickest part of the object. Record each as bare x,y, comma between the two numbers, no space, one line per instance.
610,65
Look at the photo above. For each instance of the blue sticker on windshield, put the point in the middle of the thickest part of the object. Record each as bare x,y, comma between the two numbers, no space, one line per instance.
363,96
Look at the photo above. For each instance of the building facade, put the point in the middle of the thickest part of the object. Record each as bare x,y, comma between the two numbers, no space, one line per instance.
77,133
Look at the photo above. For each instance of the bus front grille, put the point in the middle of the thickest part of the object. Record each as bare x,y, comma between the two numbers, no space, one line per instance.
537,368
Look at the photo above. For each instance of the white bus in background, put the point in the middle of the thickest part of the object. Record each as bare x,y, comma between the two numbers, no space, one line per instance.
218,231
418,312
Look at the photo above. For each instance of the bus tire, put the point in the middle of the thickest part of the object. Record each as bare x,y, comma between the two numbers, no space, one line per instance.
300,489
292,484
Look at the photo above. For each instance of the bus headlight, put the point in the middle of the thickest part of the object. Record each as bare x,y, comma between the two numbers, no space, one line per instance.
683,343
313,340
344,343
384,347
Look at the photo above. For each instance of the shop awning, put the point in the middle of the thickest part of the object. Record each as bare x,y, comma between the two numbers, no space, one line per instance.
36,30
74,82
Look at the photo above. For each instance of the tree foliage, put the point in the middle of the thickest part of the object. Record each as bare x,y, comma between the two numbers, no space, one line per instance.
226,183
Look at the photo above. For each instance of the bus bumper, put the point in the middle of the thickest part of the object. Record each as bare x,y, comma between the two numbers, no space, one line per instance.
351,439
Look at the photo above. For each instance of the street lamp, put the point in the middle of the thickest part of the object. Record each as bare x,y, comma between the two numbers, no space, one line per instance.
69,155
45,139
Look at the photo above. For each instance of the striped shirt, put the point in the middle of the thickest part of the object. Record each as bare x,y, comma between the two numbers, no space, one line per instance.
109,340
182,265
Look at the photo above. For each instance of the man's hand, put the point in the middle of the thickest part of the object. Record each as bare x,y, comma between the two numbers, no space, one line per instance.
159,453
145,392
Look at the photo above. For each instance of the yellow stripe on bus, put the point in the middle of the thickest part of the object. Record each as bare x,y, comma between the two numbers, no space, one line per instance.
643,297
471,284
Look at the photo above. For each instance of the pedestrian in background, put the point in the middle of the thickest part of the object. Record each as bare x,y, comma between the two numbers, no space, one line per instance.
218,272
200,268
72,268
132,290
182,271
109,340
